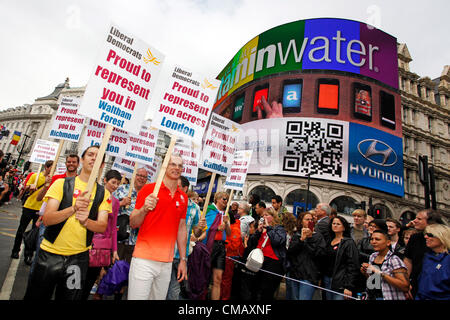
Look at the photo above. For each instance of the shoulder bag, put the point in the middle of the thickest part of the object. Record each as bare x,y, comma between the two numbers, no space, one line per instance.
255,258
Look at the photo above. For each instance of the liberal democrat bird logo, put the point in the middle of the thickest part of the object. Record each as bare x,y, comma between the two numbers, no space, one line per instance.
206,84
151,58
234,129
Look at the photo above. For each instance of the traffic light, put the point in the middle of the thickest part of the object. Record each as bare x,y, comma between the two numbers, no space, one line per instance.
377,214
26,166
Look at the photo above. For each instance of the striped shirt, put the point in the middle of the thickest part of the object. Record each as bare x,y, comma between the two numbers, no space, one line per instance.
391,262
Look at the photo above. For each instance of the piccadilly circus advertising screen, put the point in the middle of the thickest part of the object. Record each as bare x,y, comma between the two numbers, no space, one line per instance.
319,98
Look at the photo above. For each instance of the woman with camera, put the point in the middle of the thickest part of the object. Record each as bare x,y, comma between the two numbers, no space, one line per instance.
304,251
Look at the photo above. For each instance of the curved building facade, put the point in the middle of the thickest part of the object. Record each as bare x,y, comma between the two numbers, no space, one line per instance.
336,119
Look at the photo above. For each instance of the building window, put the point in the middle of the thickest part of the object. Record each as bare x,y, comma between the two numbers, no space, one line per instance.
300,201
344,205
419,90
405,114
437,99
265,193
430,124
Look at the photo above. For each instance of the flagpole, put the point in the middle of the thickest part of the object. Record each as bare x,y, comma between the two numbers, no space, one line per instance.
21,150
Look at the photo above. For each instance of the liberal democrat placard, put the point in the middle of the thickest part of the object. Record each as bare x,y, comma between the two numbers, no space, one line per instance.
238,172
185,106
121,85
117,144
219,145
68,124
44,150
190,153
141,148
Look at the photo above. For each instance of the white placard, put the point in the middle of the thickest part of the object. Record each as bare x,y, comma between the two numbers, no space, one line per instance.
154,169
68,124
185,106
121,85
190,152
117,144
219,145
238,172
43,151
126,167
142,147
60,168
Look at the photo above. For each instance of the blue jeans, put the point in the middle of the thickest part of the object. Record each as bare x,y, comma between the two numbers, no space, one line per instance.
330,295
292,288
173,293
306,292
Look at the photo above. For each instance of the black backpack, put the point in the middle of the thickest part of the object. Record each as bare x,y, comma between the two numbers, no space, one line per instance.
52,232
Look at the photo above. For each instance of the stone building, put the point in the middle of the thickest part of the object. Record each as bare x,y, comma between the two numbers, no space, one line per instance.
426,131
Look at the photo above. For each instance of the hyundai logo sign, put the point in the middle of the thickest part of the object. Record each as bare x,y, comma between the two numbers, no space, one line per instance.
377,152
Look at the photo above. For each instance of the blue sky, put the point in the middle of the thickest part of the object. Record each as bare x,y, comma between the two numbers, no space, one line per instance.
43,42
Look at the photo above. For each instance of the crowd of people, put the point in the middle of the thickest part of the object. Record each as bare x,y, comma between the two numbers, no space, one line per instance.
124,238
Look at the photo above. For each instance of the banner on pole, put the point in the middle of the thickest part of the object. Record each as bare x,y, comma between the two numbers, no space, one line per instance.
43,151
117,144
190,153
185,106
121,85
142,147
126,167
68,124
219,145
238,172
60,168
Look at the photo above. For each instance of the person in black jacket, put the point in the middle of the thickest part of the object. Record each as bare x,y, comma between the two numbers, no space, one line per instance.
305,248
342,265
364,247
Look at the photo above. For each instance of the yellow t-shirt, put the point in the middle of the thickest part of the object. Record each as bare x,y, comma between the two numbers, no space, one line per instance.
72,238
31,202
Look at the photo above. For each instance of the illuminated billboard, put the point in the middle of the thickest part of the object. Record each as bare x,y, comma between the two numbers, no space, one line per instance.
319,97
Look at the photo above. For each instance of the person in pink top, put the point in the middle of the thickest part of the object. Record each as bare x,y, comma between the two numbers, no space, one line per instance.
108,239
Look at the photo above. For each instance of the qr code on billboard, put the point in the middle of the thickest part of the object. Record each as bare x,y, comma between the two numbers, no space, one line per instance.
314,147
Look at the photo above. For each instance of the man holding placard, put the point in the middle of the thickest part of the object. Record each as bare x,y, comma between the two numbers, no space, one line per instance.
30,208
71,220
218,225
161,219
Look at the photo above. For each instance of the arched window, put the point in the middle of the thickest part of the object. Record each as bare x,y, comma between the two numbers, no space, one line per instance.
298,198
380,211
345,205
265,193
407,217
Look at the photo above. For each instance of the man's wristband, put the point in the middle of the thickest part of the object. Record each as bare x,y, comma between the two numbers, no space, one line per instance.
184,258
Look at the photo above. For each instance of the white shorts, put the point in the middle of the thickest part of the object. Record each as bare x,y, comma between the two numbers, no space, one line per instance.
148,279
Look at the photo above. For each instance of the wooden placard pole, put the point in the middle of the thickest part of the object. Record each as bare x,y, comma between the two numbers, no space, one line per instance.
98,160
55,162
133,178
229,201
164,165
37,176
208,195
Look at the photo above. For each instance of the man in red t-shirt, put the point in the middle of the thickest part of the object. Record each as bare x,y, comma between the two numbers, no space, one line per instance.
161,222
